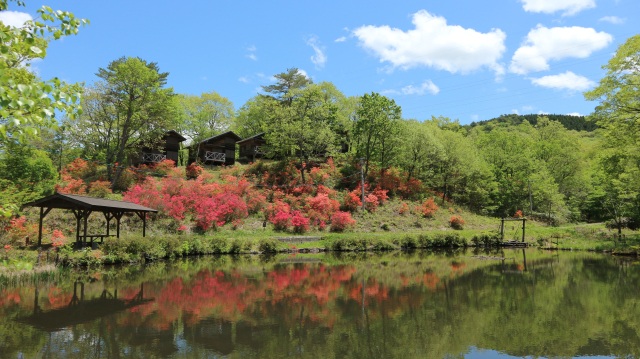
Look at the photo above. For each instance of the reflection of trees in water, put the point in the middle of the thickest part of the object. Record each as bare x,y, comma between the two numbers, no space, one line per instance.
421,305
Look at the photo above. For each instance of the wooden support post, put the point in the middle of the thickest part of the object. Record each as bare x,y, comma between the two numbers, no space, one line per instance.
76,214
43,213
86,218
118,216
40,226
523,228
502,229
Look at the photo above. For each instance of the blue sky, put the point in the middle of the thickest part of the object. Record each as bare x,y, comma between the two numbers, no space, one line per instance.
463,59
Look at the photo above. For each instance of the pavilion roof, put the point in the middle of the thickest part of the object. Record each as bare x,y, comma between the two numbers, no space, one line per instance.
74,201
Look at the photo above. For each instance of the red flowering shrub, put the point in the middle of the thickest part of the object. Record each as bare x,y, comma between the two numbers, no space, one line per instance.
19,232
71,186
57,238
518,214
299,222
193,171
100,189
371,202
321,207
456,222
281,220
381,194
352,201
410,188
164,167
341,221
428,208
403,209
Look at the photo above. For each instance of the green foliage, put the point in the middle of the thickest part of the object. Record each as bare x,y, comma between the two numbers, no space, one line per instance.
129,107
27,102
25,174
204,116
375,130
569,122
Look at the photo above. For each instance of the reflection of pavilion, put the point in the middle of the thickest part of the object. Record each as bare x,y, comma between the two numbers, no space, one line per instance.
79,310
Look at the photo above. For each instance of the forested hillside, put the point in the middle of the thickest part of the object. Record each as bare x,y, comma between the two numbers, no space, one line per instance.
320,144
570,122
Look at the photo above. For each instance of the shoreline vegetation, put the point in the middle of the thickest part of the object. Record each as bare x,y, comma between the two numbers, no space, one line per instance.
31,263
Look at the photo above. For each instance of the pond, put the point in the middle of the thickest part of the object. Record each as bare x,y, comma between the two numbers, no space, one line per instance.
465,304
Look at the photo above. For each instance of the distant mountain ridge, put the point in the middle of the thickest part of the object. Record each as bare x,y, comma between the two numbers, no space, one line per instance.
577,123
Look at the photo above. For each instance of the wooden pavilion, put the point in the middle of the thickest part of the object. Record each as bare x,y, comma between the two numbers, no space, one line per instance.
83,206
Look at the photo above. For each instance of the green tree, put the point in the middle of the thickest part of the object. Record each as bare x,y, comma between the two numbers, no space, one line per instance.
303,129
26,101
25,174
286,83
375,129
205,115
129,107
618,113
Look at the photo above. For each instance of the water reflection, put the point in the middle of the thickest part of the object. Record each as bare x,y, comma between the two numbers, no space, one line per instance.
411,305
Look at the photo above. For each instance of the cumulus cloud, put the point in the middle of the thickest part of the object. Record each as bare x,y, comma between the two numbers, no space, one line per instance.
568,7
544,44
564,81
341,39
319,58
433,43
574,114
612,19
426,87
14,18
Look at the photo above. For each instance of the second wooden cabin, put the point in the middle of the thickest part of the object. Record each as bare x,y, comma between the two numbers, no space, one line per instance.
216,150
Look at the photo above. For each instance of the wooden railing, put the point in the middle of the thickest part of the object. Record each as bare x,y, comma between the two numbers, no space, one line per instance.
153,157
214,156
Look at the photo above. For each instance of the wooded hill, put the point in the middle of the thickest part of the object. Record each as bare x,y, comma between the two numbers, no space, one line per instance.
570,122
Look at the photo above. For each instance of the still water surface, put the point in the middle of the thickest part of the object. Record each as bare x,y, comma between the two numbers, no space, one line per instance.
396,305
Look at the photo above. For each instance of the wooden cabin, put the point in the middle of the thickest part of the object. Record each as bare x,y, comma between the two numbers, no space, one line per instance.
168,149
216,150
251,148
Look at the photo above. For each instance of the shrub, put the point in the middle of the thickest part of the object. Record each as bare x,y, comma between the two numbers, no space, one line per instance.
268,245
299,222
456,222
281,221
193,171
100,189
340,221
428,208
352,201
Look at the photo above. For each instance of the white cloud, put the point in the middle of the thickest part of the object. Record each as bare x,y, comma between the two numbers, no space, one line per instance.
569,7
341,39
475,117
319,58
244,79
544,44
427,86
252,53
613,20
574,114
564,81
434,44
14,18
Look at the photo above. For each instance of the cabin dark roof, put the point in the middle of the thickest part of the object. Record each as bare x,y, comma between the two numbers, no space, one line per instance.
175,134
251,138
228,133
74,201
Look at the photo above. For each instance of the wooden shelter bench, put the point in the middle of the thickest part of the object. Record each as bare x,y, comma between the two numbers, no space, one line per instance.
83,206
